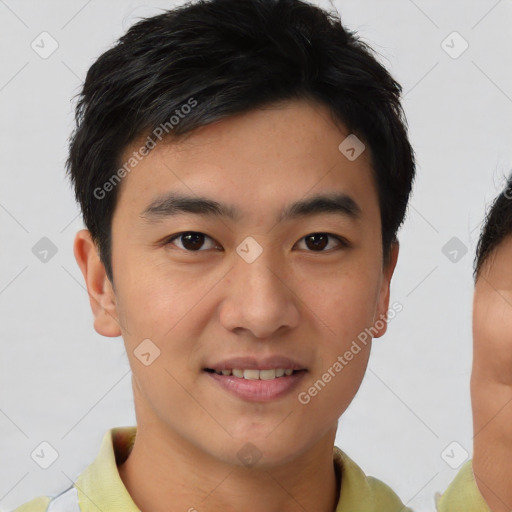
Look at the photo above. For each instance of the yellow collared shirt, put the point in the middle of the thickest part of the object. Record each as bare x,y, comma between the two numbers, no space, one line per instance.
99,486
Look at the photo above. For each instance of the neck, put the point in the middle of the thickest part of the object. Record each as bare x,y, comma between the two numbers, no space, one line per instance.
164,468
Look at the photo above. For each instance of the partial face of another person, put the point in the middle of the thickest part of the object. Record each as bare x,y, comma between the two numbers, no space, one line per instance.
492,315
246,275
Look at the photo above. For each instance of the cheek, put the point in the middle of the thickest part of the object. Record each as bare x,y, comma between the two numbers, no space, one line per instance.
346,298
492,321
157,308
492,336
343,309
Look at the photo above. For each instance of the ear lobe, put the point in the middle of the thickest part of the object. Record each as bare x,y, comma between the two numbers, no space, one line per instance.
101,294
381,318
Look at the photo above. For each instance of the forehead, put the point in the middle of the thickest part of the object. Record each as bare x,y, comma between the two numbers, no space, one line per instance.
257,162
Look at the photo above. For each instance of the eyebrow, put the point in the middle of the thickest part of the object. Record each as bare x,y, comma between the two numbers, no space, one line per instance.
172,204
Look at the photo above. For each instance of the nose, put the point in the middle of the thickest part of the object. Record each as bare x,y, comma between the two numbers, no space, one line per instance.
259,297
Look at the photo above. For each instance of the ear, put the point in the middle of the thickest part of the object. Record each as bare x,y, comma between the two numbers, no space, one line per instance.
381,314
99,287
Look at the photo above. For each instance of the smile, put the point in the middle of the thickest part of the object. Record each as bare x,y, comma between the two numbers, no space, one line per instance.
254,374
257,385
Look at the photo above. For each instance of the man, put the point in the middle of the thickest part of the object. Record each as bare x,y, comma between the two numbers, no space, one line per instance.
243,168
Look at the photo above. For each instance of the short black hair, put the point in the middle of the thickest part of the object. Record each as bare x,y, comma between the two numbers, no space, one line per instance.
230,57
497,226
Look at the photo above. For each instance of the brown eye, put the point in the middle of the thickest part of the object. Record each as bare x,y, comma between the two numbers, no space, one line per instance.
317,242
191,241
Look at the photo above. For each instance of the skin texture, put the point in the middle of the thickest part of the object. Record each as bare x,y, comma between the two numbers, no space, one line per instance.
491,378
209,305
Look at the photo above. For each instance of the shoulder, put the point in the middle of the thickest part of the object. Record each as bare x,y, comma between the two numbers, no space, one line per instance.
361,492
38,504
463,493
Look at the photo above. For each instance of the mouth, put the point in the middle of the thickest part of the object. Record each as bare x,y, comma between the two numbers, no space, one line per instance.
257,385
251,374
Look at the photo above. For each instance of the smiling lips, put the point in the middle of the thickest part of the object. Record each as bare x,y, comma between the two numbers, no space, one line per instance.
248,374
257,380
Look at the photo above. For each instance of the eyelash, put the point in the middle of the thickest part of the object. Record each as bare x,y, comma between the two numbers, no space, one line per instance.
343,243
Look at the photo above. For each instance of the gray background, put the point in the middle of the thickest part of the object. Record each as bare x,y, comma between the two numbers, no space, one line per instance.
63,383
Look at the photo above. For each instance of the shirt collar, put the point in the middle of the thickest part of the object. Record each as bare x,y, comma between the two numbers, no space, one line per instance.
100,487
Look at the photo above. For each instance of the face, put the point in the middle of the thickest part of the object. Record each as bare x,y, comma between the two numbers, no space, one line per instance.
492,315
248,281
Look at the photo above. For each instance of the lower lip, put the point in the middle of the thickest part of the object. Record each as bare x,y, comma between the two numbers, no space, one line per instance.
258,390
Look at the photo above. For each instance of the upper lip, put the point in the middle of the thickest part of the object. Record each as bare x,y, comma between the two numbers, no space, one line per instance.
253,363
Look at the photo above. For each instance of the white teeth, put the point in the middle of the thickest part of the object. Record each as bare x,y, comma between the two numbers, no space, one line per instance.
267,374
251,374
256,374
